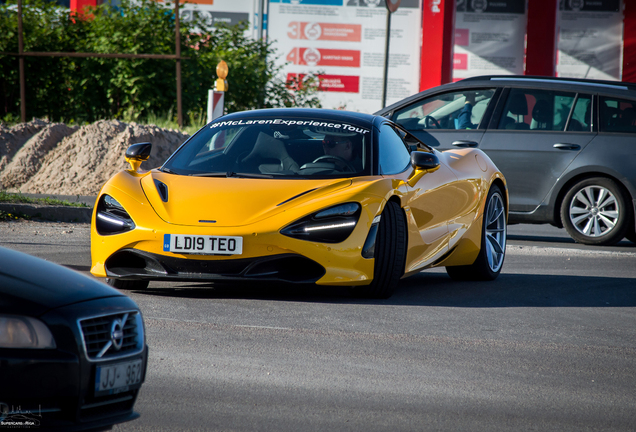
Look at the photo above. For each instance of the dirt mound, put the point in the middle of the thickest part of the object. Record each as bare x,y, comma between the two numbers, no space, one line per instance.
78,161
11,139
28,159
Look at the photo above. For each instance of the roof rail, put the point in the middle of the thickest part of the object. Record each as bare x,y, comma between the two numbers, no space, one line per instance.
563,80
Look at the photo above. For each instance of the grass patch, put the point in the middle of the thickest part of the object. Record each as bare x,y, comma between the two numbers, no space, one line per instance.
194,120
17,198
6,216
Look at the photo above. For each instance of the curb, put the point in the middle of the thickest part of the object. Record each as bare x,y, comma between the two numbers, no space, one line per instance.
55,213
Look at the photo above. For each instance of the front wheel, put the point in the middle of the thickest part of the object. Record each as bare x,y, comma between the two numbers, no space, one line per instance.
491,256
390,254
127,284
595,212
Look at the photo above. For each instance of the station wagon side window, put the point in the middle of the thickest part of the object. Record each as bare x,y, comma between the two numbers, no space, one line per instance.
617,115
448,111
581,119
532,109
394,156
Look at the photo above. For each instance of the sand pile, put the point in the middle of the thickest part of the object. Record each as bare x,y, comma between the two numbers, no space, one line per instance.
52,158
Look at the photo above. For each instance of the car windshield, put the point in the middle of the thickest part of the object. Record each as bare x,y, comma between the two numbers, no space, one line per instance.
275,148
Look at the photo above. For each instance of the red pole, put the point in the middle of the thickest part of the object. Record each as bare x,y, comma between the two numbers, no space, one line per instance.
438,38
629,42
542,37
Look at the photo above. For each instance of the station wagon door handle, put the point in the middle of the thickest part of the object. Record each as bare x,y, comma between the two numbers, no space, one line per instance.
562,146
463,143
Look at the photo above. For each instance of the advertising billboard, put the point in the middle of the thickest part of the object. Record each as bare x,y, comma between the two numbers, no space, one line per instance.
489,38
343,41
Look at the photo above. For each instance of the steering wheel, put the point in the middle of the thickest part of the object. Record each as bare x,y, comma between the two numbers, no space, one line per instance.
429,121
338,160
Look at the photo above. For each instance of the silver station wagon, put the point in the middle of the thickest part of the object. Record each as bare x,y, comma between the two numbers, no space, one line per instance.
566,146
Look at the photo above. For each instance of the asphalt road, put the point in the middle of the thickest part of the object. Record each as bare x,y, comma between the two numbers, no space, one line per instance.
550,345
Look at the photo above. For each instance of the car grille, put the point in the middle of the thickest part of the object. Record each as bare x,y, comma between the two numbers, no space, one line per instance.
112,336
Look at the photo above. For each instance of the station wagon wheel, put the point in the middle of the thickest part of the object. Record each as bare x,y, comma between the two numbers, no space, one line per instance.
127,284
390,254
491,256
595,212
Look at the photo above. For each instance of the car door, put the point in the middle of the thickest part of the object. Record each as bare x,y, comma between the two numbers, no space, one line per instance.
430,204
458,116
533,136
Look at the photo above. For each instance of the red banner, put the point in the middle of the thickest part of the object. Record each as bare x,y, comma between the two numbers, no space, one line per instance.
325,31
324,57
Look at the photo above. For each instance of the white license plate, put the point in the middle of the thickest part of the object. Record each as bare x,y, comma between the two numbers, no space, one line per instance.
198,244
117,378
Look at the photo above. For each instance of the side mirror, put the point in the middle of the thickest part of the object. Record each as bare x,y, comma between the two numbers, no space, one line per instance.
137,153
424,161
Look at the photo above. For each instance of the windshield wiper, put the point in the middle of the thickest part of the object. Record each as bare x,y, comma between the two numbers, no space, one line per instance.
210,174
167,170
248,175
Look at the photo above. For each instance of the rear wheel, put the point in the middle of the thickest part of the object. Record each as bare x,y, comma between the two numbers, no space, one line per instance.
127,284
595,212
491,256
390,254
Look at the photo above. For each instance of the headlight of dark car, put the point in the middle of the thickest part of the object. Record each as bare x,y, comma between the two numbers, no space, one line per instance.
111,217
24,332
332,225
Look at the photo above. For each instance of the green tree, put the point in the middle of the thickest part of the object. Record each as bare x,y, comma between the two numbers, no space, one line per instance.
88,89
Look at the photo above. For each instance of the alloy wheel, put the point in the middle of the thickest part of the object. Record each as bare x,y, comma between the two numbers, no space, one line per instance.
594,211
495,232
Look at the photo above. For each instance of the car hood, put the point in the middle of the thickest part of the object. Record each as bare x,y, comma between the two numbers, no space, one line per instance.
32,286
230,202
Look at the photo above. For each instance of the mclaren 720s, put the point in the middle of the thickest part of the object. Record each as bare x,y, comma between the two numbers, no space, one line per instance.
301,196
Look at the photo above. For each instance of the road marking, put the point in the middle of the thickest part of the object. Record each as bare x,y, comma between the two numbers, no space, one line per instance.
216,324
262,327
539,250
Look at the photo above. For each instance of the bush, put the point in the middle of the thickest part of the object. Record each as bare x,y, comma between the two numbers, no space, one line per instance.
87,89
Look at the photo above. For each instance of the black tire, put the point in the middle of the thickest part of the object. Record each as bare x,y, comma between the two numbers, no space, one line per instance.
127,284
390,254
595,211
631,235
489,262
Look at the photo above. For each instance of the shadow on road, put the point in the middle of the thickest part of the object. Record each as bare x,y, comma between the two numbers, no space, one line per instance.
435,289
566,241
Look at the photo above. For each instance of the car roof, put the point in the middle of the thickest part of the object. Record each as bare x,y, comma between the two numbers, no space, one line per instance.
554,83
558,81
340,115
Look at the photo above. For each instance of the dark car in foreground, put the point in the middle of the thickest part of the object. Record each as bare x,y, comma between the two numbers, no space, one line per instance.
72,350
567,147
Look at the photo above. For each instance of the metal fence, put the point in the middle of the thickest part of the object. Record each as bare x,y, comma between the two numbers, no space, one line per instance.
21,54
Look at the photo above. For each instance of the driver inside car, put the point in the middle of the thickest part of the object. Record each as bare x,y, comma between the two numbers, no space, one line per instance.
342,147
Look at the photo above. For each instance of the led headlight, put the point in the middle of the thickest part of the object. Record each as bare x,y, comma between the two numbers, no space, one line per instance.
111,218
332,225
24,332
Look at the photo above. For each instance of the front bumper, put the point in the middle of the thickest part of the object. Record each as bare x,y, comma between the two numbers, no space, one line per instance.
267,254
136,264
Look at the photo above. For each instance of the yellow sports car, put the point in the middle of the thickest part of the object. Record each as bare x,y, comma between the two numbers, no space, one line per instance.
301,196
